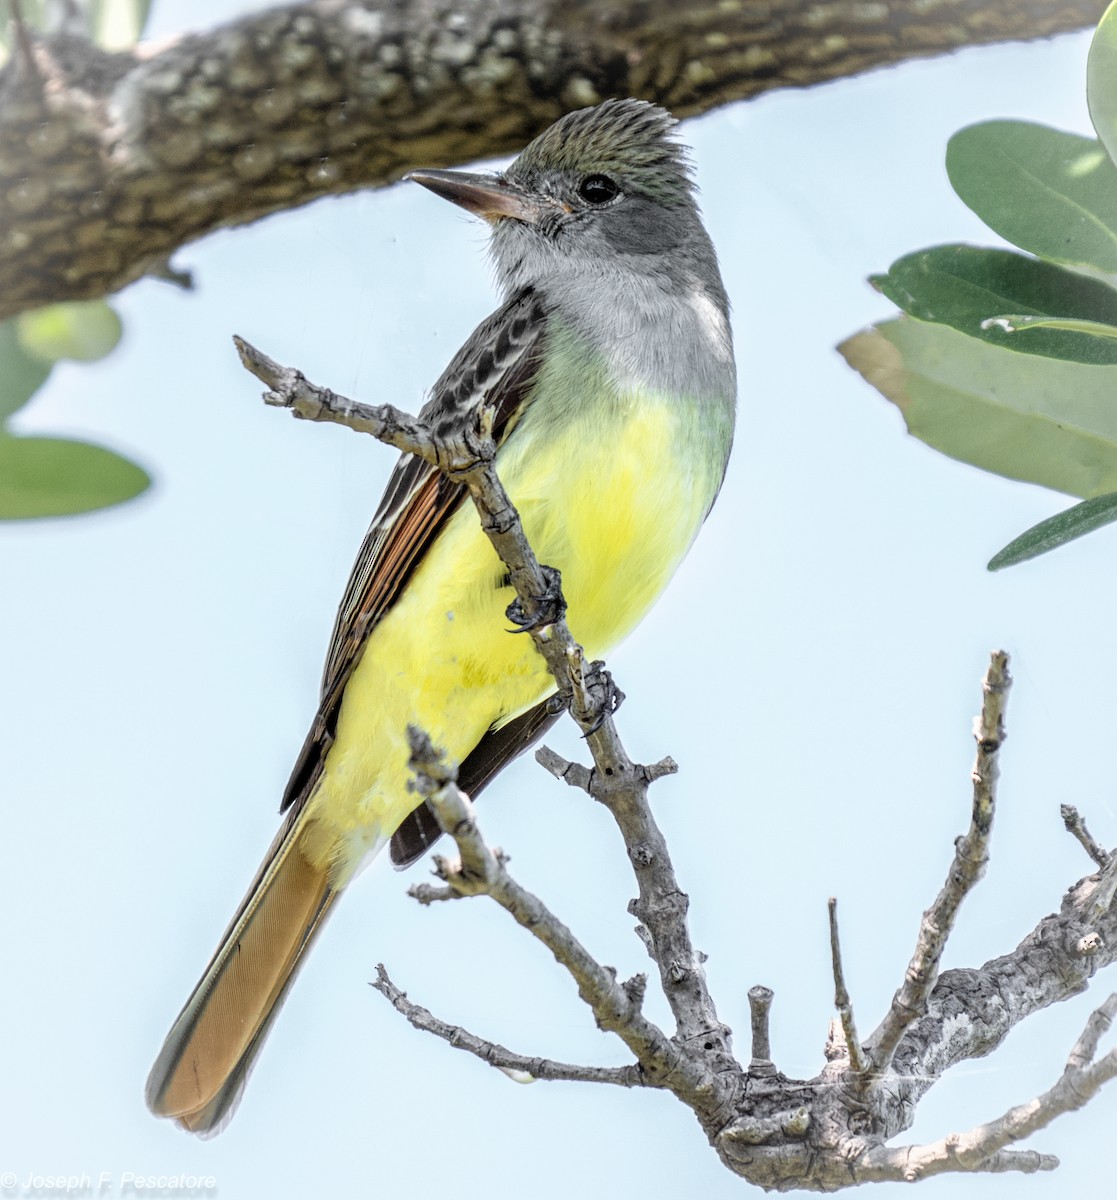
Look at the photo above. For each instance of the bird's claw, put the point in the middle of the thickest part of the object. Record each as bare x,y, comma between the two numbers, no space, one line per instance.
602,692
549,607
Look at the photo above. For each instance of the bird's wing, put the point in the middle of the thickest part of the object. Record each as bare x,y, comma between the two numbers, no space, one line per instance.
495,367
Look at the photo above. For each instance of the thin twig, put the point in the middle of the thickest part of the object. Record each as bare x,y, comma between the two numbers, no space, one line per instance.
522,1067
760,1007
842,1001
970,856
429,893
571,773
1074,823
948,1156
660,770
290,389
577,776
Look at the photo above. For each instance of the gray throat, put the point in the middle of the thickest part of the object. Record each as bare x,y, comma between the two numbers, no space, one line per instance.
659,321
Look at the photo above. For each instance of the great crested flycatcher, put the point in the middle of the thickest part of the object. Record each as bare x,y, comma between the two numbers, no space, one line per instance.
610,369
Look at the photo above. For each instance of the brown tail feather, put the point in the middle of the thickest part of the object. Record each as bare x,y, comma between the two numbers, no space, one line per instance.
200,1072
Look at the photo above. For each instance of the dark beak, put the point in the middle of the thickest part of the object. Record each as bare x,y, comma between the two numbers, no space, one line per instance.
488,196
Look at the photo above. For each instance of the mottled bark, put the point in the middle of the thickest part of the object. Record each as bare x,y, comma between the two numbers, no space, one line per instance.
109,162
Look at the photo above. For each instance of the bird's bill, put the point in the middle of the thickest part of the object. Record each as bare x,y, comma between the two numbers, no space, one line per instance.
488,196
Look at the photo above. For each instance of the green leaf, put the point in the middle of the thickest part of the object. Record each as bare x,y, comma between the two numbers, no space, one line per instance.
117,24
1057,531
21,375
1101,80
1043,420
85,330
963,286
1053,194
55,477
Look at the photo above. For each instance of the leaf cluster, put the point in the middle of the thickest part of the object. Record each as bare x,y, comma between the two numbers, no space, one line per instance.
1007,359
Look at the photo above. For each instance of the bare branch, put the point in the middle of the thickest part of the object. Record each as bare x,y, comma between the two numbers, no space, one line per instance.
571,773
970,856
1077,826
575,775
1083,1051
522,1067
819,1134
482,872
660,770
760,1007
427,893
290,389
842,1001
989,733
907,1164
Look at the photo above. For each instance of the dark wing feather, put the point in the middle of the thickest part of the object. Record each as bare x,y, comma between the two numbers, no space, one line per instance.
496,366
489,757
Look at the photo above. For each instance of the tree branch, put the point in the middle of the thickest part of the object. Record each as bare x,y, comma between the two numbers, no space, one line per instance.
842,1001
984,1148
521,1067
1075,825
481,871
113,161
760,1008
970,857
819,1134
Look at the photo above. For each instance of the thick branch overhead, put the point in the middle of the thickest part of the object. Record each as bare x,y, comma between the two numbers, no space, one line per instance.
110,162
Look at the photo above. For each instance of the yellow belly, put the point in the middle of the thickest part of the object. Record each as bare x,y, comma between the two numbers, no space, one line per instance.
614,507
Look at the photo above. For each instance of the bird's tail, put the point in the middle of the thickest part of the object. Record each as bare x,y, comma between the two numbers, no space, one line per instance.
201,1070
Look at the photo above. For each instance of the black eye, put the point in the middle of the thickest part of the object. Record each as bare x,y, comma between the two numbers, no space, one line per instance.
597,189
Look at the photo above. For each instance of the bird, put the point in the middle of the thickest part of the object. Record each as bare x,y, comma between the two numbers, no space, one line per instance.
609,376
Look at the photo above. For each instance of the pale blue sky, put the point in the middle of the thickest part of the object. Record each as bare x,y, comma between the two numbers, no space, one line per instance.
814,669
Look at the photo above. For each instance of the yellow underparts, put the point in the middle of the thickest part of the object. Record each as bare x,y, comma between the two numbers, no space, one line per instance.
611,502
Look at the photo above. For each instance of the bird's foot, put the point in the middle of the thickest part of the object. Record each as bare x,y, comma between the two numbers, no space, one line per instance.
463,447
599,694
546,609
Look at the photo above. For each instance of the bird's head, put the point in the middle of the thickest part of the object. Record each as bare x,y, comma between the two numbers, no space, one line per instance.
603,188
